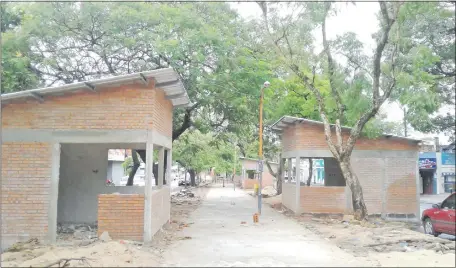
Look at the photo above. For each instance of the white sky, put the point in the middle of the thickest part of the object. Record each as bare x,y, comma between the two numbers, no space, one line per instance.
360,19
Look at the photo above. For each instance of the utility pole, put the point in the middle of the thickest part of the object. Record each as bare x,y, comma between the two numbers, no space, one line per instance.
260,146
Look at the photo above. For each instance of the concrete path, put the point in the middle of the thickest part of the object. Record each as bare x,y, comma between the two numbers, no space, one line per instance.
219,239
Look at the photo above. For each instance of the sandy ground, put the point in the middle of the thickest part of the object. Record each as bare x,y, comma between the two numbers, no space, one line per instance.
384,243
219,231
106,254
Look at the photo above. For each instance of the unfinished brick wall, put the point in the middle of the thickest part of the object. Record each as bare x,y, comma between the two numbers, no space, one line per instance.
388,182
161,205
267,180
370,174
122,215
163,114
323,200
289,196
125,107
312,137
26,177
401,186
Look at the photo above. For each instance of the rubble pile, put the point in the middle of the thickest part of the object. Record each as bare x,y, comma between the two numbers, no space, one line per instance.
268,191
184,195
87,233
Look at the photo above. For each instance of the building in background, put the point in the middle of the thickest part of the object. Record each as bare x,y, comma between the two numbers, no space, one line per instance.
427,163
448,168
386,167
249,176
437,167
116,171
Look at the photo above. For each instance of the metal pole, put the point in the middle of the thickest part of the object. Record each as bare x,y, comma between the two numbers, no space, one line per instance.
260,151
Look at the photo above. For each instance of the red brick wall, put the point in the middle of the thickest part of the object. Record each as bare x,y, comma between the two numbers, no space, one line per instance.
323,200
26,177
370,174
124,107
267,180
312,137
122,215
163,114
401,186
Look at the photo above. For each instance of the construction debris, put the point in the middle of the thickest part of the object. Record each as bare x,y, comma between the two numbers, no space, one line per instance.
268,191
76,231
105,237
64,262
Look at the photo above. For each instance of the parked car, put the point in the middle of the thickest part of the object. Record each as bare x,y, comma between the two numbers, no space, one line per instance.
440,219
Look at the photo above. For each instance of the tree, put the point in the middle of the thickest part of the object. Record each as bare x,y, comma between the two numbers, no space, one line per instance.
427,81
197,152
204,42
17,74
284,34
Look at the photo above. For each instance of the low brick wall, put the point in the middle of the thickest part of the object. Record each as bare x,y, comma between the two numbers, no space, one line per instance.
161,207
267,181
122,215
289,196
248,183
323,199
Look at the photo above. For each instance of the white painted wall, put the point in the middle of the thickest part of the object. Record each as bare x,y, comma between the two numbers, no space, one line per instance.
83,173
117,171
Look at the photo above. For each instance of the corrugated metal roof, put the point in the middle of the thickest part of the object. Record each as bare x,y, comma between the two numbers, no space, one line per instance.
286,120
166,79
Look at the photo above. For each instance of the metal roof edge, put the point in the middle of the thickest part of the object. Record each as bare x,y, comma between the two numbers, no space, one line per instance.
165,78
254,159
343,127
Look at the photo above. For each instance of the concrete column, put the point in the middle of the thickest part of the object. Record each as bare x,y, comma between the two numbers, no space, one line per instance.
161,166
169,165
290,169
298,185
440,186
148,189
281,166
54,193
417,183
384,187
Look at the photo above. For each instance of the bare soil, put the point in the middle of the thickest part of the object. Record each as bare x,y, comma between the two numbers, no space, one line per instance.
384,242
78,245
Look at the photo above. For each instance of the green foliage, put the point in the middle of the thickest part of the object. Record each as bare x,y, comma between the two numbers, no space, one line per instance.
16,71
427,63
199,152
127,165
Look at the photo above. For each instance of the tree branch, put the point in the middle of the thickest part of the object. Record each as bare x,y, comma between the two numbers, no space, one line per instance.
306,80
377,101
331,71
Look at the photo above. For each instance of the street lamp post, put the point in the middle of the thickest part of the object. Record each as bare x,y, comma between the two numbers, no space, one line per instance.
260,147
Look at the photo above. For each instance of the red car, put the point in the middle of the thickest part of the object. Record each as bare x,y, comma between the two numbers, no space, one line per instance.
441,217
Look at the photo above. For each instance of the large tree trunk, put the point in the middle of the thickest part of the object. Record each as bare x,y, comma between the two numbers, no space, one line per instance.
277,175
309,179
359,207
279,185
133,170
192,177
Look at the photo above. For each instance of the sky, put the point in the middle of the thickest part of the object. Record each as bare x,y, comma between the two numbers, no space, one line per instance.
360,19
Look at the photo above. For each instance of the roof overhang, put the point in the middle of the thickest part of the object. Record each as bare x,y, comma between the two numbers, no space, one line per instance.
286,121
166,79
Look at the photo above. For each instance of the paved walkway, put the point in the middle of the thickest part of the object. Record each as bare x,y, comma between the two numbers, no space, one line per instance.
219,239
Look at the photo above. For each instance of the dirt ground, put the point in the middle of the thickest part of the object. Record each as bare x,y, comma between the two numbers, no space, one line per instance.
80,246
384,243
